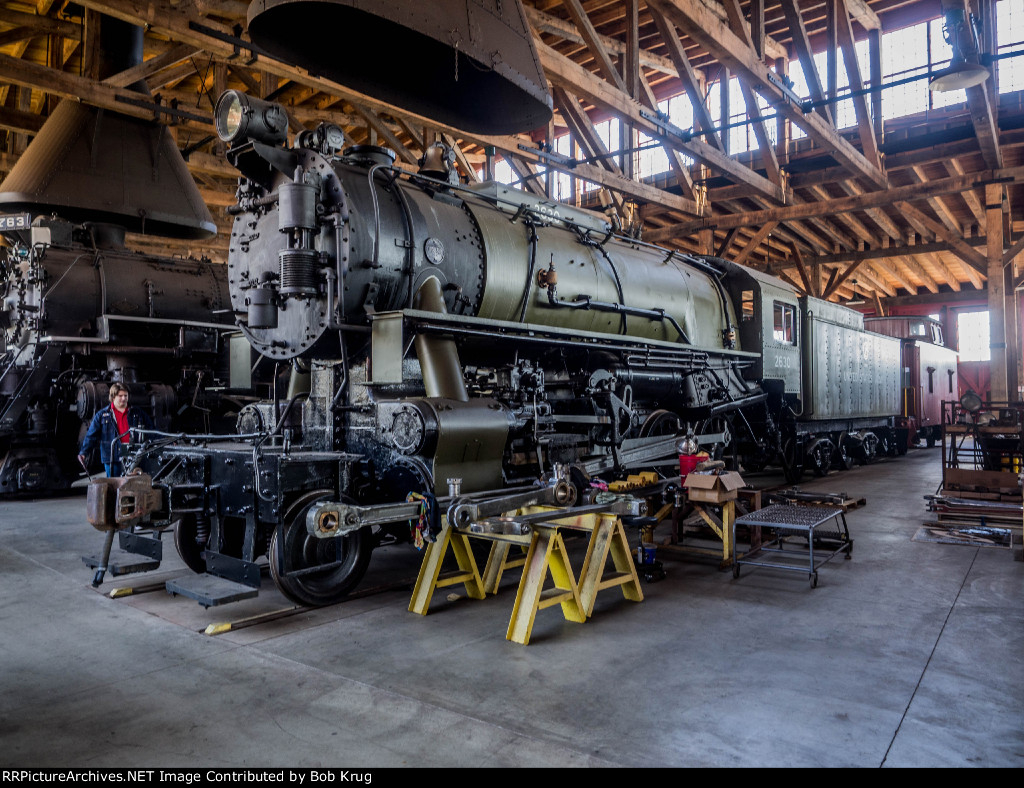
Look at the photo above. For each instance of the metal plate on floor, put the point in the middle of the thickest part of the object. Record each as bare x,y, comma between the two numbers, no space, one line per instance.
128,564
210,590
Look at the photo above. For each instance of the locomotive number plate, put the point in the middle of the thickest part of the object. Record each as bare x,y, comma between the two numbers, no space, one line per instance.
15,221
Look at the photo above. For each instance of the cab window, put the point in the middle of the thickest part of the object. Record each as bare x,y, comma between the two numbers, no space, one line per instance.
747,306
785,323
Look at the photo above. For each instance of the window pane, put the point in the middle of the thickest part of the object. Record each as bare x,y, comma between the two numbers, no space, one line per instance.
973,331
1010,38
785,323
905,54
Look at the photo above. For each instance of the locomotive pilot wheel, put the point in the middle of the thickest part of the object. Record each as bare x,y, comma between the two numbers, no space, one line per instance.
296,557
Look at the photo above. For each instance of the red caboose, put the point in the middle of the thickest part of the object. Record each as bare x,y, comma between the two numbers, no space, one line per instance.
929,372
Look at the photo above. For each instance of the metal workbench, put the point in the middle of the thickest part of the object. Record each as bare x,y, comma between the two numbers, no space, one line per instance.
821,531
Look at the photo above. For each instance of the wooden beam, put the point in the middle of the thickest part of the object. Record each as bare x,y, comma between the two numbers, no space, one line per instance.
942,210
545,23
687,76
838,280
23,72
378,125
847,219
739,26
1013,251
604,62
754,242
954,167
877,215
723,248
523,169
891,268
859,202
20,122
998,339
468,169
956,241
577,80
584,133
918,270
936,263
582,129
802,44
801,269
41,23
868,143
716,37
148,68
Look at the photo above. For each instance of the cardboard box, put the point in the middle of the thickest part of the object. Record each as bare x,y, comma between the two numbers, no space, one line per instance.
710,487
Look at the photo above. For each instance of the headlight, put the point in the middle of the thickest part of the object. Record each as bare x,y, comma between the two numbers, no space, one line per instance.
239,117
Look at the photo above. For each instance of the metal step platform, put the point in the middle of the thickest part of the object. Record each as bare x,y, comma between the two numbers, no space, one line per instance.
123,564
141,553
210,590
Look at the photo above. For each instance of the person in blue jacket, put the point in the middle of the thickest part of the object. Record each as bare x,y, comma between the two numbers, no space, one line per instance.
110,424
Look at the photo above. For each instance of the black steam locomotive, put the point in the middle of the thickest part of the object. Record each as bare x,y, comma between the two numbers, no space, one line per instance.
479,347
79,312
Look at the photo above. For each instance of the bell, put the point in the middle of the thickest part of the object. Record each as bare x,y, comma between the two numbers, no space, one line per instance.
470,64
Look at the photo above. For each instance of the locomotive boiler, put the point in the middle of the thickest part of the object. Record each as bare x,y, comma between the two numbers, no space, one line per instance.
80,312
475,346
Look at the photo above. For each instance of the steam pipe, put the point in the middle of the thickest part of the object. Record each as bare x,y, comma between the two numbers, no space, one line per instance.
439,357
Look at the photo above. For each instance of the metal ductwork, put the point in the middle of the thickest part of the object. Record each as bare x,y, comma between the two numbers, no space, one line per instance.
468,63
92,165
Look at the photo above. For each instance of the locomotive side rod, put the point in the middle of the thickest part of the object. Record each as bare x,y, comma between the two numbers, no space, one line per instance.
332,519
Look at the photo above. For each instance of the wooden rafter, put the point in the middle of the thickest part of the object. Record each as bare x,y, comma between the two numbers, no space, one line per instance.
562,71
732,51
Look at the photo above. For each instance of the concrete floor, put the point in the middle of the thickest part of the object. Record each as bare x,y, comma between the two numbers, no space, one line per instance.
908,655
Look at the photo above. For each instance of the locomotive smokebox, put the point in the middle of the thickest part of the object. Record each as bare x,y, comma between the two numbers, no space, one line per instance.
468,63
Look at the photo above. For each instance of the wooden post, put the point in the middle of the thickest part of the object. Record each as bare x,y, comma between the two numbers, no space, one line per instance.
875,55
996,292
706,241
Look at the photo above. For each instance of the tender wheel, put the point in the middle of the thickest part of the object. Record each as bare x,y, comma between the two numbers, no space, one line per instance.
295,556
868,449
188,546
792,460
821,456
843,460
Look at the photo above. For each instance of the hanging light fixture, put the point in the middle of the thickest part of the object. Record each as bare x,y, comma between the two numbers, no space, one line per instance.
857,300
964,70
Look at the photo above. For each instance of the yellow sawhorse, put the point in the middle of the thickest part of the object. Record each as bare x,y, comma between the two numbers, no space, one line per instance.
608,537
429,578
546,554
498,561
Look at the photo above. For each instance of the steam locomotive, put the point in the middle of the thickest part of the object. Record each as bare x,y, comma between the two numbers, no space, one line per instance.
481,348
80,312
